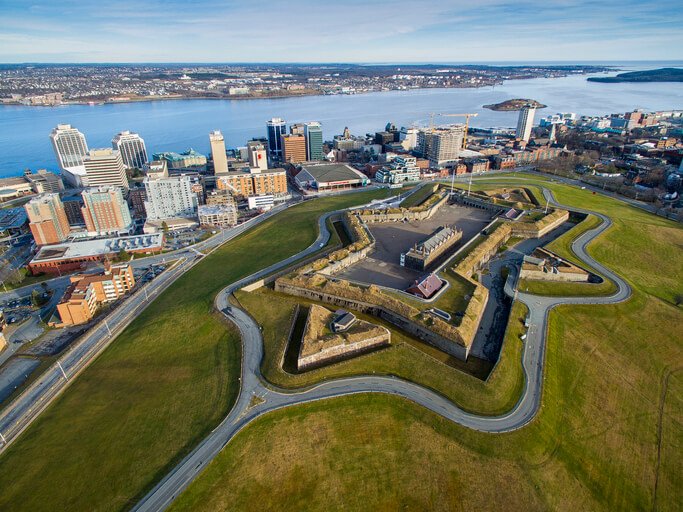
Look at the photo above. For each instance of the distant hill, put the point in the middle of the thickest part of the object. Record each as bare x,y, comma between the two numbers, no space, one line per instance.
652,75
512,105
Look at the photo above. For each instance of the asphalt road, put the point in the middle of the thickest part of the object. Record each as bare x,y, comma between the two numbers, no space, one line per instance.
253,385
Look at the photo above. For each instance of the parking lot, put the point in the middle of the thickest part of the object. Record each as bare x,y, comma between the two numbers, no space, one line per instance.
393,238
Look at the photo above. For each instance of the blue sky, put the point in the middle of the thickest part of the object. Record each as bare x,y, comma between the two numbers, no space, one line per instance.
339,31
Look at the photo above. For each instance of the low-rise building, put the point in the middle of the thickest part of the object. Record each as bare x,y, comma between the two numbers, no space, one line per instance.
67,257
402,168
189,158
426,286
325,177
223,216
254,182
87,292
428,251
262,202
13,221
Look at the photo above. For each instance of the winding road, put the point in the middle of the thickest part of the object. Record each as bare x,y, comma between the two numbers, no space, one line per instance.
257,397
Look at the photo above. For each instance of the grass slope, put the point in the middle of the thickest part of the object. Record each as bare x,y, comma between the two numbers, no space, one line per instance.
607,436
406,357
156,391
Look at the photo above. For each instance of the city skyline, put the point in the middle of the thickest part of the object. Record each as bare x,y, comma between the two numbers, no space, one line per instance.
454,31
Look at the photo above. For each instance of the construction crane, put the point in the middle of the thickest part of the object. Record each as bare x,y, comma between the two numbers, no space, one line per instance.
467,123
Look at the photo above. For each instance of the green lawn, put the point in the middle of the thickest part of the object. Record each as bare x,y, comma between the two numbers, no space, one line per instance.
157,390
417,197
608,436
562,247
406,357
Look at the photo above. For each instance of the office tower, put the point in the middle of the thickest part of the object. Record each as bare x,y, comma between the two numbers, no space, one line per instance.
70,147
441,145
220,159
47,219
44,181
276,128
314,141
257,155
294,148
408,138
132,149
170,197
296,129
105,211
104,167
525,122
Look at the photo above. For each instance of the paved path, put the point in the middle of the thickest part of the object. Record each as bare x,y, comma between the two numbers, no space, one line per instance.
253,385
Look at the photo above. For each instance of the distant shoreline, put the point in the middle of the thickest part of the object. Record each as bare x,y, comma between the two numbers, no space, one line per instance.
143,99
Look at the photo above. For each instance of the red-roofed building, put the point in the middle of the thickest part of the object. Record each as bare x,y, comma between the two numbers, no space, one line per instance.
426,286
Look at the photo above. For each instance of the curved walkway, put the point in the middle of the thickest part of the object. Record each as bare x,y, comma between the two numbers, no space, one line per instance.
270,398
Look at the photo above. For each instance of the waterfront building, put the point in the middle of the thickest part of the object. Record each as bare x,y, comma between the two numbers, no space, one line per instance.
106,212
223,215
70,147
104,167
294,148
314,141
525,122
220,159
276,128
189,158
44,181
170,197
47,219
132,149
256,153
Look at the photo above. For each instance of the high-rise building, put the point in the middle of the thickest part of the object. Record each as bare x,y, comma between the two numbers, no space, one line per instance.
47,219
220,159
408,138
257,155
170,197
525,122
132,149
294,148
276,128
105,211
104,168
314,141
44,181
441,145
296,129
70,147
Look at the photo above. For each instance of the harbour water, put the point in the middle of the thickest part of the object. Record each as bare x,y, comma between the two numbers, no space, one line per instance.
176,125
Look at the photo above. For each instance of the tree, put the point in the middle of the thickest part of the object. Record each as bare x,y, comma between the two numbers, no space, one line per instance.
164,227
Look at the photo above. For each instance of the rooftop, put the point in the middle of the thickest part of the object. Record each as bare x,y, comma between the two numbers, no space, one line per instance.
332,172
98,247
12,218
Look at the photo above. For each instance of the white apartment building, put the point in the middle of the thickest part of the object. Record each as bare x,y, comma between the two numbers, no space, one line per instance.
525,122
132,149
70,147
170,197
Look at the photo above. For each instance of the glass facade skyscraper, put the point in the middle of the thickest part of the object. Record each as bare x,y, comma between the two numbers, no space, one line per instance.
276,129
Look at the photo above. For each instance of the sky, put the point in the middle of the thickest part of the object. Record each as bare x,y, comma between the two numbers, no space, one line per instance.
340,31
